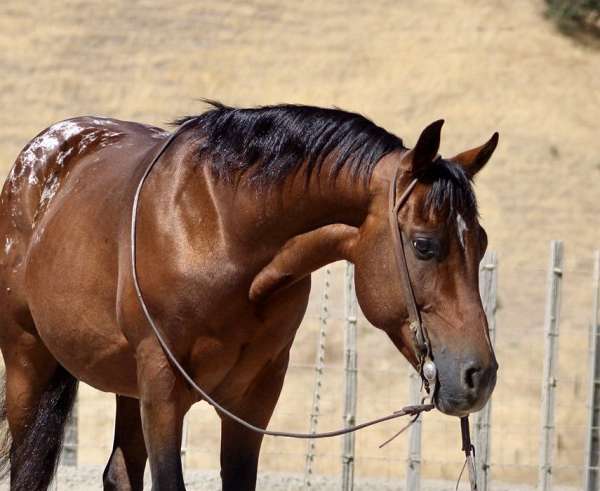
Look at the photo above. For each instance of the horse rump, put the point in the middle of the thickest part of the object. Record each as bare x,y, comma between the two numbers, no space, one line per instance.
32,461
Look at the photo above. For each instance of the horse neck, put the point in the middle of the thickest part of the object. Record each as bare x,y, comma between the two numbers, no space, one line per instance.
253,224
304,227
280,212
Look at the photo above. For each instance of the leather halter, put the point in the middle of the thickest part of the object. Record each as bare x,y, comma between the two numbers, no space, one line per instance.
421,343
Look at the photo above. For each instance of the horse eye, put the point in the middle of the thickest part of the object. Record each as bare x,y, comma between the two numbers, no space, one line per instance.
424,248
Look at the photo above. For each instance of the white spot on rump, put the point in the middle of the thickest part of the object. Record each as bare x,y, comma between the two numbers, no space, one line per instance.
66,129
107,138
157,132
102,121
51,139
32,157
38,233
88,139
461,228
8,244
50,188
60,160
101,137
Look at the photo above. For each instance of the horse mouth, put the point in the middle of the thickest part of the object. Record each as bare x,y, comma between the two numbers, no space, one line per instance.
459,399
454,406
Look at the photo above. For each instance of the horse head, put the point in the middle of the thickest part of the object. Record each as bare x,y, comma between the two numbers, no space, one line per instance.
441,244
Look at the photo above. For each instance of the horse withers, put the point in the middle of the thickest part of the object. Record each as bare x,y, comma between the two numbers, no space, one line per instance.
238,211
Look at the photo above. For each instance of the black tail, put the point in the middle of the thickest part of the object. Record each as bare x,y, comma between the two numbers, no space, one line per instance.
35,457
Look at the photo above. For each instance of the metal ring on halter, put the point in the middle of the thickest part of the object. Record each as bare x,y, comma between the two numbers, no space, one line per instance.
429,372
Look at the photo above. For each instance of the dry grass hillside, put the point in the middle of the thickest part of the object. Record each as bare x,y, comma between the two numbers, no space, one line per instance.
481,65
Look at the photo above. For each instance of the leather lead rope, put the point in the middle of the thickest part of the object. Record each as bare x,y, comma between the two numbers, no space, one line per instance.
469,450
406,411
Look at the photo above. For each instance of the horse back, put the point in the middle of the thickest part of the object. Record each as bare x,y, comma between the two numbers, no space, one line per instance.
48,160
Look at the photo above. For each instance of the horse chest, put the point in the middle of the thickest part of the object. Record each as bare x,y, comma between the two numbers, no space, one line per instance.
232,359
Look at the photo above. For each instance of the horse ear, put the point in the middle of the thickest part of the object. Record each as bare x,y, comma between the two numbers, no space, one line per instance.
472,161
427,146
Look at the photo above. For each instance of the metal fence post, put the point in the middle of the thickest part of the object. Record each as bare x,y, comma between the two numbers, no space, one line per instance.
592,454
551,323
488,288
350,371
320,360
413,469
69,452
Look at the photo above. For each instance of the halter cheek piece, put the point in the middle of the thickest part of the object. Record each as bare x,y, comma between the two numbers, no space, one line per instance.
420,339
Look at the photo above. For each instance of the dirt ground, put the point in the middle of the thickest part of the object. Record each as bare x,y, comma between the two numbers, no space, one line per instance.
481,65
88,478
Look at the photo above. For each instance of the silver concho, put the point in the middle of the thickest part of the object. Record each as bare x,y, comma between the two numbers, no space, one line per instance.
429,371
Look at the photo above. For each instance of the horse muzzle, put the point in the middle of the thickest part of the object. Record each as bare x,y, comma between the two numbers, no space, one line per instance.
464,384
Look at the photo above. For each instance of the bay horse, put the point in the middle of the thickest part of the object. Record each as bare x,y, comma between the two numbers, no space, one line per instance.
242,206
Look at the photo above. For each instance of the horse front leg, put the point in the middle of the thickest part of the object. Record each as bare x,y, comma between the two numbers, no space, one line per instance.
125,468
164,400
240,447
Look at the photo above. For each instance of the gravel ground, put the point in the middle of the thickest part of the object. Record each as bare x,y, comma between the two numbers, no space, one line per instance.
89,478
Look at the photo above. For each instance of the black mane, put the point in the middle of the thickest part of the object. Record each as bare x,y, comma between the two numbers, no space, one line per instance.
276,140
451,190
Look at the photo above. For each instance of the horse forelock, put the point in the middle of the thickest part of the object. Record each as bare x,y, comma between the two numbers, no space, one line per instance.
450,192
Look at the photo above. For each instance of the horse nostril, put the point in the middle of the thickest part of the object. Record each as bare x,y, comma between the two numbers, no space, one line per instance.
471,376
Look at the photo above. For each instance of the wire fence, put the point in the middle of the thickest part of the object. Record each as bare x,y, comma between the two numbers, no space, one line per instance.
540,430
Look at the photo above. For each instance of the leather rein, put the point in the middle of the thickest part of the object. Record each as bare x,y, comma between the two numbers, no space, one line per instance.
421,344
